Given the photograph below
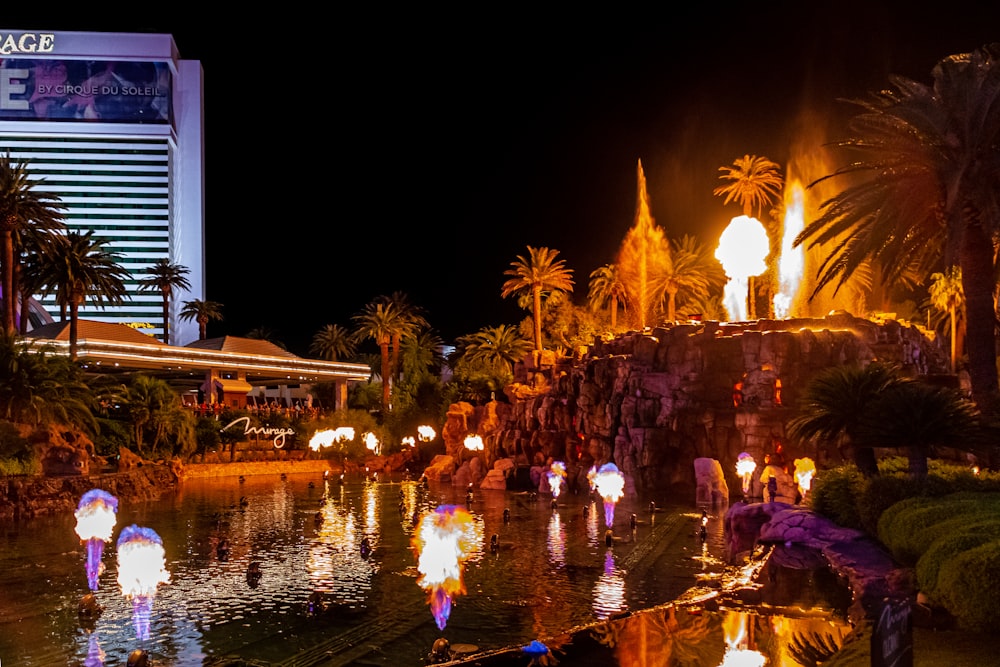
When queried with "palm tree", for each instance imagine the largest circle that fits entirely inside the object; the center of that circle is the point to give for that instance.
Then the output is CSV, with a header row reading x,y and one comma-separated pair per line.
x,y
606,288
497,348
201,312
539,272
946,295
21,208
754,183
917,417
40,387
690,268
409,323
84,271
332,343
380,321
165,277
151,403
922,187
834,403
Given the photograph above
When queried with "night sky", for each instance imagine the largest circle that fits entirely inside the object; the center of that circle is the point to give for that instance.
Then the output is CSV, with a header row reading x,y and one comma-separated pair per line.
x,y
357,155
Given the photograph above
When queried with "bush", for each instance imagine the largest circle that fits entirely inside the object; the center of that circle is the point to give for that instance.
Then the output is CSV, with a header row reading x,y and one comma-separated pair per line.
x,y
947,547
13,446
112,435
968,587
904,527
835,493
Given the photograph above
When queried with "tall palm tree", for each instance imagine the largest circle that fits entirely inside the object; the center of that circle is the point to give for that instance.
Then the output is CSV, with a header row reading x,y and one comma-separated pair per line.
x,y
917,417
85,271
607,289
380,321
165,277
754,183
21,208
201,312
921,186
834,403
539,272
332,343
40,249
409,323
946,294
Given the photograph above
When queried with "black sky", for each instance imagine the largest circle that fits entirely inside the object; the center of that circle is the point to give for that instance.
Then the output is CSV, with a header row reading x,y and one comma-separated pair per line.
x,y
368,152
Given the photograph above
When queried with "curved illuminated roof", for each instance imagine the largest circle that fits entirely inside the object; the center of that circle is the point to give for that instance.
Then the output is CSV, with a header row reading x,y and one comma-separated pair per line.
x,y
109,347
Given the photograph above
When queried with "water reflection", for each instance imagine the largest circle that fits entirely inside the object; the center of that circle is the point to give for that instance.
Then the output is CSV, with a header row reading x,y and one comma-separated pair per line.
x,y
288,541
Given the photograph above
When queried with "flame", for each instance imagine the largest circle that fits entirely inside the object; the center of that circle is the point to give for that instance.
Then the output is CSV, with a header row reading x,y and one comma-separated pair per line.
x,y
556,476
734,626
474,443
96,516
425,433
444,540
804,471
743,247
745,465
409,441
329,437
791,262
141,567
610,483
371,442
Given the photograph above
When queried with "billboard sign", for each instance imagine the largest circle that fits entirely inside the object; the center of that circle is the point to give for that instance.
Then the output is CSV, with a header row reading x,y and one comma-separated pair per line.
x,y
107,91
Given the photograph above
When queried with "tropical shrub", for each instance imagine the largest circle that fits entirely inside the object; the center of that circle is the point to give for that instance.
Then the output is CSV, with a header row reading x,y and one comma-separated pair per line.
x,y
835,493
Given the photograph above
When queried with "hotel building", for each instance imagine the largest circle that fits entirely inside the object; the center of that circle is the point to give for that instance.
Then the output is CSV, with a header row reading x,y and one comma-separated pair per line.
x,y
113,123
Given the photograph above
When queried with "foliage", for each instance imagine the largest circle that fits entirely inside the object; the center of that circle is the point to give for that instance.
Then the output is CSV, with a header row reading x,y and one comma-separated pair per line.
x,y
332,343
38,387
112,435
12,467
164,277
968,587
834,494
538,275
201,312
24,210
14,446
207,435
833,404
920,179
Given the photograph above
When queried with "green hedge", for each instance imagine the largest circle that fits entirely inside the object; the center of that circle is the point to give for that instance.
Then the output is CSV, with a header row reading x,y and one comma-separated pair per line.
x,y
968,586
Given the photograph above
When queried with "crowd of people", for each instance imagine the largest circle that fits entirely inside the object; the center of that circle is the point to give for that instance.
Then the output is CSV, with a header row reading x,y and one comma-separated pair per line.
x,y
295,410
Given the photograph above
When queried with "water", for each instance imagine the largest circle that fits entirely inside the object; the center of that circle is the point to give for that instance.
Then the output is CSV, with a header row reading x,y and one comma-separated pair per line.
x,y
320,601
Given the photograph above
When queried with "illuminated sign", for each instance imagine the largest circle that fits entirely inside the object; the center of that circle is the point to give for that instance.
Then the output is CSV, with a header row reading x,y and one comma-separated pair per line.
x,y
278,434
90,90
27,42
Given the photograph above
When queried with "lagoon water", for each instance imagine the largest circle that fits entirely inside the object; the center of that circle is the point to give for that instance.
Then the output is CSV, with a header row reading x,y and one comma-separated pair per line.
x,y
321,601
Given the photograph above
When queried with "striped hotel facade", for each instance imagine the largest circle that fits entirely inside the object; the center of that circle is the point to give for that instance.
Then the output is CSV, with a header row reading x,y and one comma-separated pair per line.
x,y
135,176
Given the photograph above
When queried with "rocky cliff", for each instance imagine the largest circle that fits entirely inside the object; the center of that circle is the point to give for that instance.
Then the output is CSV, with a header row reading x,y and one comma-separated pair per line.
x,y
652,402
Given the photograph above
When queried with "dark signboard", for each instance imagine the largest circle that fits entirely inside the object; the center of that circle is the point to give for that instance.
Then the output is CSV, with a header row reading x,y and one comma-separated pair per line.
x,y
892,638
85,90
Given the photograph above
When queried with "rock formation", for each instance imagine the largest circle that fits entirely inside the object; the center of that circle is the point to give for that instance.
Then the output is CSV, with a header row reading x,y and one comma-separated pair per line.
x,y
654,402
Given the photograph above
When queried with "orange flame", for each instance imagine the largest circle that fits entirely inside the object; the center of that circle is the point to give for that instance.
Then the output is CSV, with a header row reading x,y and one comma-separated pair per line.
x,y
445,539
